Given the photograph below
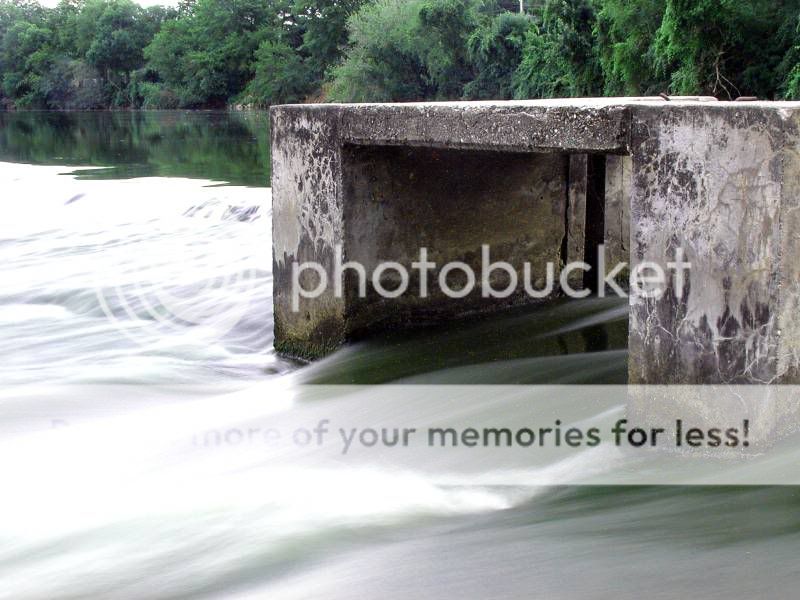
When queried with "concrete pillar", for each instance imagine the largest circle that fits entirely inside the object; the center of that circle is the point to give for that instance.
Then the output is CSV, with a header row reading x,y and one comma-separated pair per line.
x,y
617,213
306,226
720,181
576,215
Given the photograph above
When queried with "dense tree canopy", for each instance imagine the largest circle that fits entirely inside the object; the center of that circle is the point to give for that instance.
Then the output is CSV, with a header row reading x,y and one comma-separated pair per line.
x,y
214,53
495,50
560,57
625,32
725,48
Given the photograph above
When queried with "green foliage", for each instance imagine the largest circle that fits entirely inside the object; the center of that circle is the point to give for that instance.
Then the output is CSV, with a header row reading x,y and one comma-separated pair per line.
x,y
625,32
404,50
560,57
724,48
789,69
495,50
325,31
205,56
791,87
382,63
151,95
71,84
22,35
211,53
444,30
24,58
78,55
281,75
117,33
291,63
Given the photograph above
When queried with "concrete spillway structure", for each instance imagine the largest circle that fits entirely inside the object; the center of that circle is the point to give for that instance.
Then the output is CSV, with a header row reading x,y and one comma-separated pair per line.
x,y
545,181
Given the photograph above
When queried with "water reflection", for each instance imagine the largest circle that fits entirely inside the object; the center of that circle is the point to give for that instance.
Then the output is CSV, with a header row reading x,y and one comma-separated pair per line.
x,y
224,146
569,341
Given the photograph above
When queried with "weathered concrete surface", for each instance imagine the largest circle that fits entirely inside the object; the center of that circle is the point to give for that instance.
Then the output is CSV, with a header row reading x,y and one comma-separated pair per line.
x,y
719,179
576,215
788,310
450,202
535,126
618,211
306,225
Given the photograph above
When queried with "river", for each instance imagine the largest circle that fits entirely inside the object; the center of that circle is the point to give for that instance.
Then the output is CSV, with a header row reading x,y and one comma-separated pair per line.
x,y
115,224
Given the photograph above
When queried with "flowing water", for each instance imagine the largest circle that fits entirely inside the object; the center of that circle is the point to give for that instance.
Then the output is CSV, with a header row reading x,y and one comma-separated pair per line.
x,y
115,224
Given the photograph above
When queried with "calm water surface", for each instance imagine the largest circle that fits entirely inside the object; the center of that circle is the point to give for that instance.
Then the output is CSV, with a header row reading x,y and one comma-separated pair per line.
x,y
221,146
115,225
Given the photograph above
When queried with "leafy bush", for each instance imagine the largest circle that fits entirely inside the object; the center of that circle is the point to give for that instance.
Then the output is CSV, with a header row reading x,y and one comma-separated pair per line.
x,y
281,76
406,50
560,57
73,85
495,50
625,34
724,48
382,63
156,96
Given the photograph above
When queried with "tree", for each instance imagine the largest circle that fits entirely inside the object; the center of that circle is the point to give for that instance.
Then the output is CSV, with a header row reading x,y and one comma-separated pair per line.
x,y
71,84
325,32
559,58
725,48
212,53
443,32
206,56
495,50
626,32
24,57
382,63
789,69
281,75
407,50
22,35
290,64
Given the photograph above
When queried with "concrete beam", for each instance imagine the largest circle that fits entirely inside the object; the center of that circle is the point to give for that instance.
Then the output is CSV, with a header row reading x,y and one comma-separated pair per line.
x,y
515,127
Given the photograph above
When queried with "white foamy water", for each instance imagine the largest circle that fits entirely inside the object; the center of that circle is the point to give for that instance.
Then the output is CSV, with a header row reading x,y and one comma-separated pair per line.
x,y
161,287
150,277
136,317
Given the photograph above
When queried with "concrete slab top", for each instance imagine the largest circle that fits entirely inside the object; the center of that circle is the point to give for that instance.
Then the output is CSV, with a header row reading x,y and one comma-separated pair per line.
x,y
575,103
559,125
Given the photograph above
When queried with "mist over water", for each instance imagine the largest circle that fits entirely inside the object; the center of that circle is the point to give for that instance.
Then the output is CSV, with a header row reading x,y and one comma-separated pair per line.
x,y
124,234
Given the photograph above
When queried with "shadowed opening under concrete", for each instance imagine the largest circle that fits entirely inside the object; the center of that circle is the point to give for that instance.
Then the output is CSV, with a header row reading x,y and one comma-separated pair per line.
x,y
535,208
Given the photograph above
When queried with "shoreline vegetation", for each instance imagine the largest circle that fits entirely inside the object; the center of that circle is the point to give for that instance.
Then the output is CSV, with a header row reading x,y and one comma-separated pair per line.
x,y
250,54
